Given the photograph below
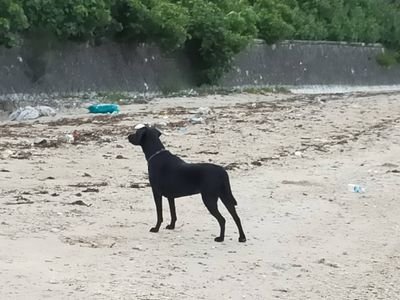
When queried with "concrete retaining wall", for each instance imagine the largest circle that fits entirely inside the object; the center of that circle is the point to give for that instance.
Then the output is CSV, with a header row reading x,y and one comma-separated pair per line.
x,y
311,63
43,66
40,67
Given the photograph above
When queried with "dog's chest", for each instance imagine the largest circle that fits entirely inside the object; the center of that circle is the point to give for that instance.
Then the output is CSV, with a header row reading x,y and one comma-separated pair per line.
x,y
158,176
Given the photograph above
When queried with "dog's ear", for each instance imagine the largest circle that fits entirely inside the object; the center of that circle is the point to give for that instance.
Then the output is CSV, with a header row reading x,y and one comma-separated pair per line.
x,y
155,131
158,132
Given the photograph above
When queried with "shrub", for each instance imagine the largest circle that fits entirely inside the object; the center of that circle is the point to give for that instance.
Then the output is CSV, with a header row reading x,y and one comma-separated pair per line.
x,y
161,22
274,20
12,21
217,31
68,19
388,58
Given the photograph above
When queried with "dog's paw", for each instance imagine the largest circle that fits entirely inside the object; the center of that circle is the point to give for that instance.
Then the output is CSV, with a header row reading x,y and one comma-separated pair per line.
x,y
219,239
242,239
170,227
154,229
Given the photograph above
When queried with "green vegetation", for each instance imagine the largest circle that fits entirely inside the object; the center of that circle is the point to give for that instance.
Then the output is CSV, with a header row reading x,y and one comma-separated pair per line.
x,y
12,22
217,31
388,58
211,32
265,90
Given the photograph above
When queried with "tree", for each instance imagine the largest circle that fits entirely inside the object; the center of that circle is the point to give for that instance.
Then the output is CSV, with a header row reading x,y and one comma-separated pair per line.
x,y
161,22
68,19
217,31
274,20
12,22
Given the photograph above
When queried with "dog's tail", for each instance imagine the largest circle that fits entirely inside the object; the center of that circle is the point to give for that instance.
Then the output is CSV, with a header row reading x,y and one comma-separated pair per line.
x,y
226,195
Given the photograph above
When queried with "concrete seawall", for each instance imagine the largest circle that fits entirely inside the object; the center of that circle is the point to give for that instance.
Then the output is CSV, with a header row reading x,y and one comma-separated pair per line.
x,y
47,67
305,63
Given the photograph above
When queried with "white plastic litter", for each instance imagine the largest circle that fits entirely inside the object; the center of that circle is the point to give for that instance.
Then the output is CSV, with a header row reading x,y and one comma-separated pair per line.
x,y
46,111
201,111
31,113
138,126
200,115
196,120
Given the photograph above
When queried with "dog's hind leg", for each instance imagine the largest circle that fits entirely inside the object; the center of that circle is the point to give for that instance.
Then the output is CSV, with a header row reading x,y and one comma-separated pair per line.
x,y
158,201
230,203
231,208
171,202
211,203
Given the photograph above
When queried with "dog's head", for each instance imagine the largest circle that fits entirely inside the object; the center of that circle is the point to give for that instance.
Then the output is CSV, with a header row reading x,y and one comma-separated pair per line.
x,y
141,133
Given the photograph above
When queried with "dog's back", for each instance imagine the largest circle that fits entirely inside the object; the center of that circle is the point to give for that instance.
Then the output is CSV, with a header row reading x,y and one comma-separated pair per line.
x,y
176,178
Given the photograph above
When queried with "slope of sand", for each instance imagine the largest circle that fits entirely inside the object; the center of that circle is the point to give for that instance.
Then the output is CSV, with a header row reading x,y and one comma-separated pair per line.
x,y
290,159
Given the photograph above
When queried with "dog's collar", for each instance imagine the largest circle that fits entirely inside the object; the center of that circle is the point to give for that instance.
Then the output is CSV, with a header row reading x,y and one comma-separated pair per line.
x,y
155,154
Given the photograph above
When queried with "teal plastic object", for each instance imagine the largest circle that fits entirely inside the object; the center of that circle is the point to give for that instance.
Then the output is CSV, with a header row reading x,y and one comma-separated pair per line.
x,y
103,108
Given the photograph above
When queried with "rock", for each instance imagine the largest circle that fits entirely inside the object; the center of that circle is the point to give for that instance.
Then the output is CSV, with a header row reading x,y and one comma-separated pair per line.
x,y
139,185
232,166
324,262
46,144
21,155
80,202
91,190
390,165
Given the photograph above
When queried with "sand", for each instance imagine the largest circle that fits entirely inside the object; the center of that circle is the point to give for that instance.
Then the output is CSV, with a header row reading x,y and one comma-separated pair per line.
x,y
290,160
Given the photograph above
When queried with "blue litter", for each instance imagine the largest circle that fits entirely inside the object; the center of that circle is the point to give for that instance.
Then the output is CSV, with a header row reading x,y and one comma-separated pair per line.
x,y
355,188
103,108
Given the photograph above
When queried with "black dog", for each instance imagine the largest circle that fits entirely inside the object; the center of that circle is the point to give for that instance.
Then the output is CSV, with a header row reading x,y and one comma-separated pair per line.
x,y
171,177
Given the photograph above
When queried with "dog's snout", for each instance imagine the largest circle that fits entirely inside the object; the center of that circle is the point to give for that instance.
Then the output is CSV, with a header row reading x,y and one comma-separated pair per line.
x,y
131,137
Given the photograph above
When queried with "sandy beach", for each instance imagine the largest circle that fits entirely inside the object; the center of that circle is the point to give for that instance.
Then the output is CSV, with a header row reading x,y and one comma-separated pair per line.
x,y
75,214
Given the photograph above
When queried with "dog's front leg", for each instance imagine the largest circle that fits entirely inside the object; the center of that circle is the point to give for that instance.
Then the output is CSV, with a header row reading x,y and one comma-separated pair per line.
x,y
171,202
158,201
